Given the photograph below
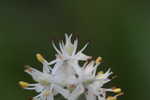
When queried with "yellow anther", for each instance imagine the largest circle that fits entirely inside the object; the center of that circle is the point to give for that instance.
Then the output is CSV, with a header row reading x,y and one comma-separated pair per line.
x,y
71,86
100,75
114,97
40,58
111,98
100,72
23,84
116,90
98,60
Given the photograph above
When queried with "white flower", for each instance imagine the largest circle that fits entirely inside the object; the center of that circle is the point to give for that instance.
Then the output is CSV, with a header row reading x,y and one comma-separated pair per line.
x,y
43,87
67,58
69,50
45,81
92,82
64,75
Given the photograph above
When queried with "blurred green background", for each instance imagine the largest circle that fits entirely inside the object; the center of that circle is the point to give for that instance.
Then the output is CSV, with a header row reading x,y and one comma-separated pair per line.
x,y
118,30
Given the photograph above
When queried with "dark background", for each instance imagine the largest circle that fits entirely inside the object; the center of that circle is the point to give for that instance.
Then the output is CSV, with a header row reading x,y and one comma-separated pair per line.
x,y
118,30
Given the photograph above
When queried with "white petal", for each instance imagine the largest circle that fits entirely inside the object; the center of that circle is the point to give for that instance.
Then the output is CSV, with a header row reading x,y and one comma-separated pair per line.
x,y
54,46
46,68
90,96
62,91
81,56
77,92
75,47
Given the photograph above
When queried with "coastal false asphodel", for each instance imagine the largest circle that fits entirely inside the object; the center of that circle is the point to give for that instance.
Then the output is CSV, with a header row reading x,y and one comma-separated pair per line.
x,y
65,76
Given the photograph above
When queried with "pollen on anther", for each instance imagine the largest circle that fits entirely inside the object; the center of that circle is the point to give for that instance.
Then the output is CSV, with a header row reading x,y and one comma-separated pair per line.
x,y
100,74
40,58
23,84
111,98
116,90
98,60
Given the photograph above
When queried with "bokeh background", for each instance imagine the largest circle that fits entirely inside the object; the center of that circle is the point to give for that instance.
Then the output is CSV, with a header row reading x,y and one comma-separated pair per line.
x,y
118,30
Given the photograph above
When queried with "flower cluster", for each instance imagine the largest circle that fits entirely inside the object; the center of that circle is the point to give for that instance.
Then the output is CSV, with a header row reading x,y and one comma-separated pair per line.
x,y
64,75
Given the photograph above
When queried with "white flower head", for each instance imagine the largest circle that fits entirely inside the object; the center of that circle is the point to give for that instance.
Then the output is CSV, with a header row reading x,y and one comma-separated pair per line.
x,y
69,78
67,59
94,82
68,50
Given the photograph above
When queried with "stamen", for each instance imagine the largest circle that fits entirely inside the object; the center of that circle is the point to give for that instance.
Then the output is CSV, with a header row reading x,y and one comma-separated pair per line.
x,y
23,84
100,74
111,98
114,97
40,58
28,68
113,77
120,94
116,90
98,60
